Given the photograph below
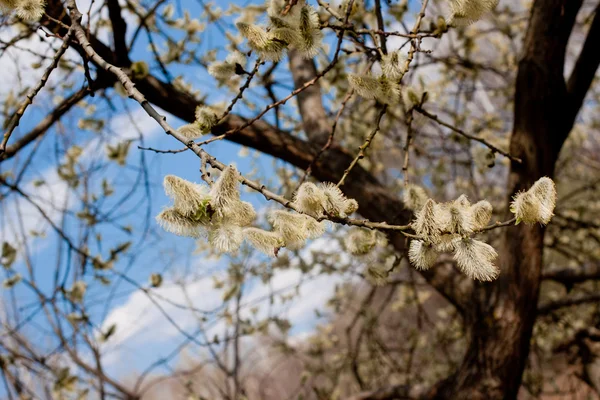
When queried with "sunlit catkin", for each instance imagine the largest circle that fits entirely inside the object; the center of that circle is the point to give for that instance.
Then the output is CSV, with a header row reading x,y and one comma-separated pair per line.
x,y
291,227
310,199
174,222
475,259
264,43
310,33
537,204
335,201
225,238
30,10
190,131
481,213
233,65
422,255
225,192
360,241
189,199
427,223
266,242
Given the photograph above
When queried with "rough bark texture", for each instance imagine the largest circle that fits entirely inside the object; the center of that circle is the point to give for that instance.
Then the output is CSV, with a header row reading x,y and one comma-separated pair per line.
x,y
502,315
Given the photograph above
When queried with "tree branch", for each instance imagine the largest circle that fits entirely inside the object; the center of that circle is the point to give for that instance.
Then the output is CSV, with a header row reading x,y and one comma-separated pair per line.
x,y
573,275
585,68
548,307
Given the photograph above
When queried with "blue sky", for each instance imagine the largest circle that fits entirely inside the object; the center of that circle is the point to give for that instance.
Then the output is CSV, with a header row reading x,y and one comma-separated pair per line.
x,y
140,326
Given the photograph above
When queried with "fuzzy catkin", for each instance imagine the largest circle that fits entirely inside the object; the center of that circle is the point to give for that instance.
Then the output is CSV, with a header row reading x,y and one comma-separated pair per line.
x,y
189,198
414,197
422,255
173,221
267,242
474,258
226,238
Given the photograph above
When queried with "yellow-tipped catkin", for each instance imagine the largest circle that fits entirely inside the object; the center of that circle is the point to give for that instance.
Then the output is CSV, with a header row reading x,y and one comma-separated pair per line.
x,y
266,242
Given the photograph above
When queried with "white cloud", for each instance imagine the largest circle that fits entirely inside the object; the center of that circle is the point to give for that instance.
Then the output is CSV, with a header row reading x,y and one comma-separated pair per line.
x,y
144,333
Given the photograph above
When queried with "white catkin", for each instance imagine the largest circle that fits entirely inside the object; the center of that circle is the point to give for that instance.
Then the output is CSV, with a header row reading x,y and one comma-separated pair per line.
x,y
190,131
392,65
310,199
537,204
335,201
240,213
174,222
422,255
188,198
267,46
266,242
360,241
225,191
226,238
291,227
482,214
427,222
475,259
545,190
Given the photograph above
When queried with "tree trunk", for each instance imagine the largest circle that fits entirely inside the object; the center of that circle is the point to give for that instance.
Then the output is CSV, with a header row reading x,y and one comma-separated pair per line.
x,y
502,316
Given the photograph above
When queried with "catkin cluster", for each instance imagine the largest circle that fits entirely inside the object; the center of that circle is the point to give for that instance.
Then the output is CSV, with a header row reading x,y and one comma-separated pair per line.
x,y
448,227
298,29
220,216
385,87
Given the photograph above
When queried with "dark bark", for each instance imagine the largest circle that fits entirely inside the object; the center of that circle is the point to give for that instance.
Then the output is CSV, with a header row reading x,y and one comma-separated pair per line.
x,y
503,314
